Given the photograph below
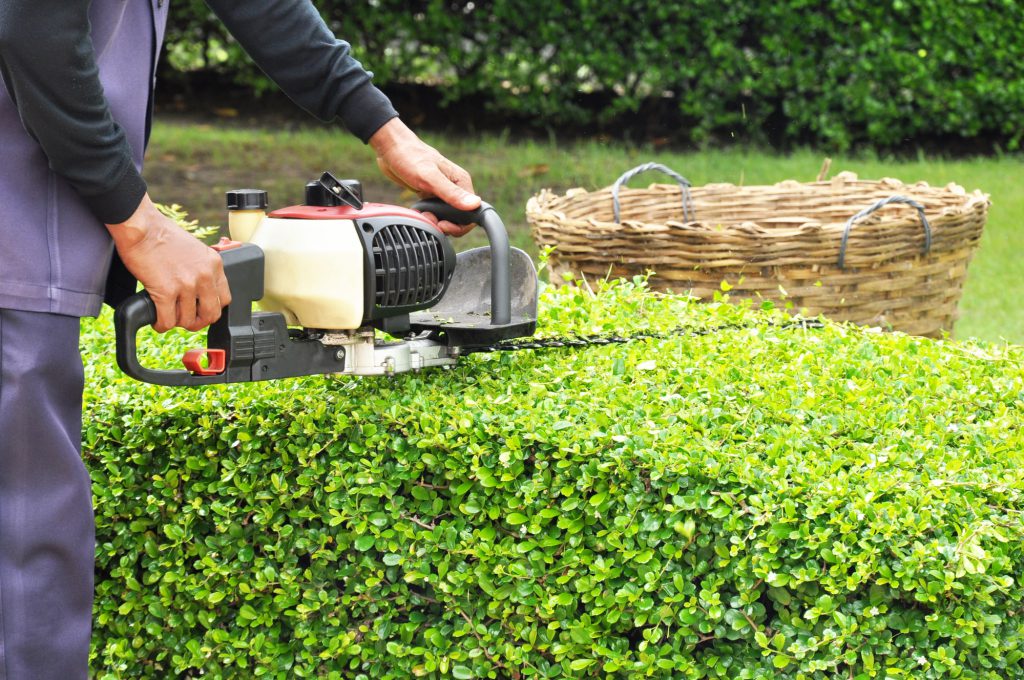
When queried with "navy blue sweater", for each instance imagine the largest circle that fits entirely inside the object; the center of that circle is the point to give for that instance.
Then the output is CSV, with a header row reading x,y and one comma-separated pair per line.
x,y
49,68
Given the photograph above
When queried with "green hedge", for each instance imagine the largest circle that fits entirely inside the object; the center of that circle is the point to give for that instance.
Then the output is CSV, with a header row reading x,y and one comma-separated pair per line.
x,y
767,502
833,72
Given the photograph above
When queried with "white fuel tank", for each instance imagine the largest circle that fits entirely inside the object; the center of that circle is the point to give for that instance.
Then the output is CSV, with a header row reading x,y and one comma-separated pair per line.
x,y
314,269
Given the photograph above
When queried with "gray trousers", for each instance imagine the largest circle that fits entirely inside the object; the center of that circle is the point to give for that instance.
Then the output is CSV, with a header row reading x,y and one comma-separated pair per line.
x,y
47,535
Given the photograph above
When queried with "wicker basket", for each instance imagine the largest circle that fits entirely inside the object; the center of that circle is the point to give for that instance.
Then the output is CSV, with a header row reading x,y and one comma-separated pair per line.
x,y
879,253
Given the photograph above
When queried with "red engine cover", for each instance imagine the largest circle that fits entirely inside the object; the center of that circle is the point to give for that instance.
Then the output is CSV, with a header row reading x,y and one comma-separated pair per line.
x,y
345,212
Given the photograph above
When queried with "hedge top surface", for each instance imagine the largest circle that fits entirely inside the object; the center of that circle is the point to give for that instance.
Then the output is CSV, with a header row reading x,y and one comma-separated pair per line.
x,y
764,501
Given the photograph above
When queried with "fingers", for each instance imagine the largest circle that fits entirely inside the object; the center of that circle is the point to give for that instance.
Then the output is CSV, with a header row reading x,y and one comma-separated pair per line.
x,y
166,312
208,298
454,186
194,298
455,230
188,306
208,310
186,310
449,228
221,285
451,184
420,168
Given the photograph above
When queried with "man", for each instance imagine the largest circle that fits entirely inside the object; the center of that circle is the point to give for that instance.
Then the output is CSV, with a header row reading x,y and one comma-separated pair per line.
x,y
74,117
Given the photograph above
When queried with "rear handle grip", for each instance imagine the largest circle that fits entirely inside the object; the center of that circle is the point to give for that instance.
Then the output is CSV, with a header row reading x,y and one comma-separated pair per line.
x,y
131,316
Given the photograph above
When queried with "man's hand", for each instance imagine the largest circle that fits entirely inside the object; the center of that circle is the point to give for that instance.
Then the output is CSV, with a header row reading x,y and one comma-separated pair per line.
x,y
408,162
184,277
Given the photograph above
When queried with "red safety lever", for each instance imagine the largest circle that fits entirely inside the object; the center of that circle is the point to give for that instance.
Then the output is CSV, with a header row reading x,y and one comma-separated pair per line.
x,y
226,244
216,361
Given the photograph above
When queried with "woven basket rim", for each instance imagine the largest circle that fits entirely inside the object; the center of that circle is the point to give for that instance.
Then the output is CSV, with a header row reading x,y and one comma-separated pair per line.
x,y
539,205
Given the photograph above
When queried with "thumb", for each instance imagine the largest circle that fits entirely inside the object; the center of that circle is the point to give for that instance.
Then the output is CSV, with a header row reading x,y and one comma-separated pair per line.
x,y
451,193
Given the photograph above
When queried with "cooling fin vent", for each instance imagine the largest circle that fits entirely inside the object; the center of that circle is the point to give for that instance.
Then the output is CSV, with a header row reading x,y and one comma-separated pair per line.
x,y
408,266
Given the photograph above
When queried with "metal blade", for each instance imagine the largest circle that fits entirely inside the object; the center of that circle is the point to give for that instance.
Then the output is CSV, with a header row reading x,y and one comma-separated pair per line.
x,y
464,313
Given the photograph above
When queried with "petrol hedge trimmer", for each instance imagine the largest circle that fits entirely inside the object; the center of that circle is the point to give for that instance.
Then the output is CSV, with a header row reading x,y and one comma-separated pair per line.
x,y
331,272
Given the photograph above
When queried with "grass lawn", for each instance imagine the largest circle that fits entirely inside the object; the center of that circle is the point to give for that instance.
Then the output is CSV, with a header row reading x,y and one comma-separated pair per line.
x,y
194,164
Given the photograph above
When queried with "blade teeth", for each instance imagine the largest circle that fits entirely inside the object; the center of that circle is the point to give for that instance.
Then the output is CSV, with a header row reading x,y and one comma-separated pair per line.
x,y
581,341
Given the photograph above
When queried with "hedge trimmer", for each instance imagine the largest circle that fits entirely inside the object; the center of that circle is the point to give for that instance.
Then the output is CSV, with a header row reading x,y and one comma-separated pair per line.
x,y
331,272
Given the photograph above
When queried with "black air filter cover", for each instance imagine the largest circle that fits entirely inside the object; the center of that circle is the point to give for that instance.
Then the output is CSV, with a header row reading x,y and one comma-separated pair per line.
x,y
408,266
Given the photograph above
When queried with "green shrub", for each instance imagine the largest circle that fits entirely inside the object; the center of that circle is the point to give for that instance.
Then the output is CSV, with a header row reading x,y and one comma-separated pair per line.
x,y
766,502
836,72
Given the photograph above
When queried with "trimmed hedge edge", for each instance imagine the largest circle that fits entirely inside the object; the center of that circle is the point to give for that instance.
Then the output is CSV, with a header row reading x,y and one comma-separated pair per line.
x,y
755,503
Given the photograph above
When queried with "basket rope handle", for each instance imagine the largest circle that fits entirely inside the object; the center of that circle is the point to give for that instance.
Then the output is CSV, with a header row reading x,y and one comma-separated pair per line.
x,y
886,201
684,186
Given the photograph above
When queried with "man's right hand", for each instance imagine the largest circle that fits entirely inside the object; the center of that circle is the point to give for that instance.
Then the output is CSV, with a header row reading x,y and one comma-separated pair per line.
x,y
184,277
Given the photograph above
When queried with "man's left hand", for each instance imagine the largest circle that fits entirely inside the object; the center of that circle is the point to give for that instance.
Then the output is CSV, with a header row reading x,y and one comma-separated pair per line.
x,y
409,162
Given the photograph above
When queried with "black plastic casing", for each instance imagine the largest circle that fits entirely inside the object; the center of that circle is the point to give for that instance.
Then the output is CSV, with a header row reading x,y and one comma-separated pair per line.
x,y
407,267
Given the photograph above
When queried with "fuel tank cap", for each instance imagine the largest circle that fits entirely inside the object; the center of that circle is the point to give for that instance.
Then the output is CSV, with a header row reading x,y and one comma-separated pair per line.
x,y
330,192
247,199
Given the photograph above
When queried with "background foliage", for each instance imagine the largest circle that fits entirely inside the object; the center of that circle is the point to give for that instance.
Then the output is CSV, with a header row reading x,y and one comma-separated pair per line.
x,y
831,72
851,507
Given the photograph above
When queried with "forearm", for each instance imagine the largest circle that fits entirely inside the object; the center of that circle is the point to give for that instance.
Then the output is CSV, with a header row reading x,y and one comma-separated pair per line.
x,y
50,72
290,42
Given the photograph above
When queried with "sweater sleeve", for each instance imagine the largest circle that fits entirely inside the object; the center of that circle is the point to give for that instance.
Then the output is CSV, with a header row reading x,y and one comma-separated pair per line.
x,y
290,42
49,69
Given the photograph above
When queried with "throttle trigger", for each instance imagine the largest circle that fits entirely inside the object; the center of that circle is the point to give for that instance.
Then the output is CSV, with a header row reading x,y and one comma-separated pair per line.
x,y
226,244
216,361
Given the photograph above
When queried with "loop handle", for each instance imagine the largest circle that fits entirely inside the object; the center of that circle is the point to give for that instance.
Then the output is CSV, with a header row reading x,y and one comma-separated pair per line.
x,y
886,201
684,186
497,235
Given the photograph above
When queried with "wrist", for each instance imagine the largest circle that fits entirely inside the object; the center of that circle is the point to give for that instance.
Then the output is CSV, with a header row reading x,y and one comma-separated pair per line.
x,y
136,228
391,135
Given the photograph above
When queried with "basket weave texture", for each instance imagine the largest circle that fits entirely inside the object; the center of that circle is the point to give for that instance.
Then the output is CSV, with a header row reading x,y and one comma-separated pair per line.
x,y
779,242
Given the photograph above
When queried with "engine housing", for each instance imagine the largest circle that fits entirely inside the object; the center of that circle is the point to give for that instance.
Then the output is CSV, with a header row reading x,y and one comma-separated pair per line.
x,y
339,267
